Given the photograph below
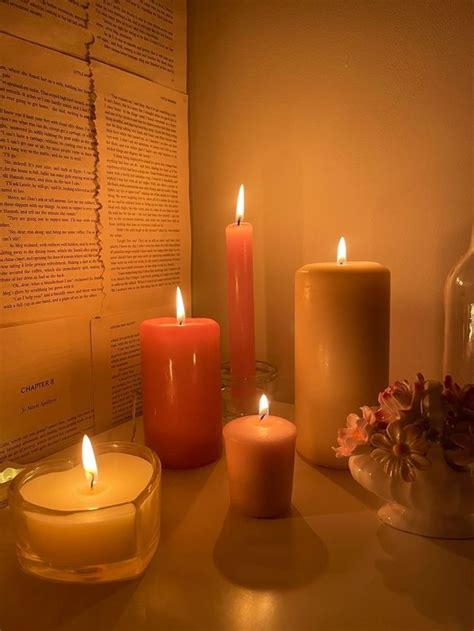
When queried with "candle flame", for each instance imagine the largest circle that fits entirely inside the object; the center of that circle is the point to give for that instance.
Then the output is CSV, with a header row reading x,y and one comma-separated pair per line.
x,y
341,251
88,461
264,407
180,312
239,212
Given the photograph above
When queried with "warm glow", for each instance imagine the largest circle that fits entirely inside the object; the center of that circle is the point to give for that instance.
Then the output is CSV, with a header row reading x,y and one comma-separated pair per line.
x,y
341,251
88,461
263,408
239,213
180,312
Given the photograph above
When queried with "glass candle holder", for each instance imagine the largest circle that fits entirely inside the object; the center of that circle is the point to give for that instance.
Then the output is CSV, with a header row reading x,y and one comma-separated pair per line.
x,y
240,397
7,474
102,544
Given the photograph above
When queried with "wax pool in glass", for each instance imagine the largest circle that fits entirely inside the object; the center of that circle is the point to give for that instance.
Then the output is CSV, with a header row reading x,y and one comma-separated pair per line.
x,y
88,542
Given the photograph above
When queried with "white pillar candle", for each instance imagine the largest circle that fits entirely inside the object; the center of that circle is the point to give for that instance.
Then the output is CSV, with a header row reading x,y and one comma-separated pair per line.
x,y
342,330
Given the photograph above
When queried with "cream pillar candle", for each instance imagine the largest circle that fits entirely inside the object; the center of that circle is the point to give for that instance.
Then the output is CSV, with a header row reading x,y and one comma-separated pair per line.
x,y
342,328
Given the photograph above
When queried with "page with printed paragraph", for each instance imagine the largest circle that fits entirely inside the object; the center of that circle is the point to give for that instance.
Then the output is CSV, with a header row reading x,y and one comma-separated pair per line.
x,y
57,24
145,37
45,388
116,364
143,171
50,248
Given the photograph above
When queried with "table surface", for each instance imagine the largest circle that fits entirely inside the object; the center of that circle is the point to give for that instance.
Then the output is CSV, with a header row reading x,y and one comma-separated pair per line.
x,y
330,564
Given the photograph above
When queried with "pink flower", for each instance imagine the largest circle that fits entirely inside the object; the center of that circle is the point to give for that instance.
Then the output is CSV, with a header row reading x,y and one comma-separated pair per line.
x,y
401,399
356,433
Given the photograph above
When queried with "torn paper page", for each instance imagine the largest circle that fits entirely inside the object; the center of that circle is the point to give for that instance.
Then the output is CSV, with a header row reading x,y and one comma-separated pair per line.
x,y
147,38
45,387
143,173
50,244
57,24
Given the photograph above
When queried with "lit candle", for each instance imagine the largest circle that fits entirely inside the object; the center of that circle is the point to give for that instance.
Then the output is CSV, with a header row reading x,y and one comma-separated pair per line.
x,y
181,388
240,297
342,330
70,518
260,453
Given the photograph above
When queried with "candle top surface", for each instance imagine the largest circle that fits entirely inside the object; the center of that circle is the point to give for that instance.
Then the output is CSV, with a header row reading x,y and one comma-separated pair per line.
x,y
241,224
348,267
121,478
254,429
172,322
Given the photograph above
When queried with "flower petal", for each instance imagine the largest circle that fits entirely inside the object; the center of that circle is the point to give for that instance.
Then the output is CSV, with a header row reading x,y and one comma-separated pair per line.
x,y
381,456
351,420
381,440
410,433
407,471
393,431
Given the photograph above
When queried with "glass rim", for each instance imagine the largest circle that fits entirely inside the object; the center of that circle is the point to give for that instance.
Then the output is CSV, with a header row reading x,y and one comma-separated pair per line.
x,y
264,373
17,502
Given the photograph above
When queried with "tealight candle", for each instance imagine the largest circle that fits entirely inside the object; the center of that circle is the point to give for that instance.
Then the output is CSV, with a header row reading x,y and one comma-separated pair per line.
x,y
260,453
96,521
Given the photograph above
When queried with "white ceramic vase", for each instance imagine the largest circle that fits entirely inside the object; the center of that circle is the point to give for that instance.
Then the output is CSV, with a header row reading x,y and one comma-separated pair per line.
x,y
439,503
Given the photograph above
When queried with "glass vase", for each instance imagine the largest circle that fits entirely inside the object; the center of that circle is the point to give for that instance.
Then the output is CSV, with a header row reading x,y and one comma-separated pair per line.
x,y
458,358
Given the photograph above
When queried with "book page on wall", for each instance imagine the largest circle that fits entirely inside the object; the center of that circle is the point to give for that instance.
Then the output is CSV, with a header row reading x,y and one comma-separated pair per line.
x,y
50,250
57,24
45,387
95,224
142,142
146,37
116,365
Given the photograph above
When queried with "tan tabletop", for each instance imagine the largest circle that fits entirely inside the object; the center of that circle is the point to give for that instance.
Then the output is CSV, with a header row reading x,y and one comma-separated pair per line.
x,y
329,565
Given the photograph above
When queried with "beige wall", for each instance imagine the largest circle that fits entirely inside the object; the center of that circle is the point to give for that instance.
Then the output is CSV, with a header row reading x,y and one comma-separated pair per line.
x,y
346,118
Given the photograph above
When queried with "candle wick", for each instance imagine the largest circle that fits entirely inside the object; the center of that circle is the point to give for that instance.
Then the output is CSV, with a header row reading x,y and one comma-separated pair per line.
x,y
92,481
239,220
263,416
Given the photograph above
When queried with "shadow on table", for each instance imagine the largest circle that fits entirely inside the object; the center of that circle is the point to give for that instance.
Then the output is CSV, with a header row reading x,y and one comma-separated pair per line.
x,y
322,491
263,554
344,479
430,573
180,489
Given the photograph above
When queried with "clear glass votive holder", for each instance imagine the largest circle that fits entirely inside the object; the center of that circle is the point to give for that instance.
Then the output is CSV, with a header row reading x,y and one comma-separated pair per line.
x,y
240,397
91,545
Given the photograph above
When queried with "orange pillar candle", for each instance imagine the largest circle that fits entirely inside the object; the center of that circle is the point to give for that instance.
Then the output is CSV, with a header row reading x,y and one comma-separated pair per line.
x,y
240,295
181,389
260,453
342,330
